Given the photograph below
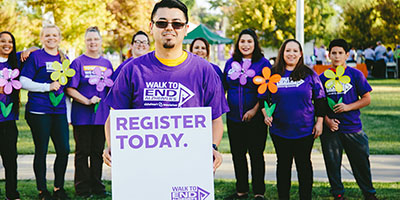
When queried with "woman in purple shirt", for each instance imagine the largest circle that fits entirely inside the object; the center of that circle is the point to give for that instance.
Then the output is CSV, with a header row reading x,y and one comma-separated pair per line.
x,y
139,46
8,128
201,47
246,129
299,99
89,114
46,111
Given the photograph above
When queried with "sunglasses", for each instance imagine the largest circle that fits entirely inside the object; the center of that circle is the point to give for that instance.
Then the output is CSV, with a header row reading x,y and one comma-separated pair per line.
x,y
164,24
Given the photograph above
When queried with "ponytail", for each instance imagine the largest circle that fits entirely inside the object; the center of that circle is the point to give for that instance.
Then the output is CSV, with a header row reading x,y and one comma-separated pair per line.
x,y
62,55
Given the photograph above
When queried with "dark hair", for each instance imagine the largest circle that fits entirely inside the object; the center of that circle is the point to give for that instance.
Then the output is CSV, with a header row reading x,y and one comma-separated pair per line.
x,y
170,4
13,62
339,43
205,42
301,70
139,33
389,48
256,55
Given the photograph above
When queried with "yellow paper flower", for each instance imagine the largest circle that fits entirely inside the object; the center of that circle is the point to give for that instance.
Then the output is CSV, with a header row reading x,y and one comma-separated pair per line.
x,y
62,72
336,79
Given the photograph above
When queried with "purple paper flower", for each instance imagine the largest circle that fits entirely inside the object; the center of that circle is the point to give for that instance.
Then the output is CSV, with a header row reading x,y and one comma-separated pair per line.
x,y
100,79
241,71
8,81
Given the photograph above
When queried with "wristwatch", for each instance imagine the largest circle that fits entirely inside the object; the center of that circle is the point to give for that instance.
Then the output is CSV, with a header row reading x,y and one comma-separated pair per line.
x,y
215,147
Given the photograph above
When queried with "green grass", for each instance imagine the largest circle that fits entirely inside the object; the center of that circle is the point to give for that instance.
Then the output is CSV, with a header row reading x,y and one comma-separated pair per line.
x,y
380,119
224,188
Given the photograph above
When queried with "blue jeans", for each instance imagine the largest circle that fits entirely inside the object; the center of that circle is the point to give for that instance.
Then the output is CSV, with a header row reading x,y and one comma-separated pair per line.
x,y
357,150
44,126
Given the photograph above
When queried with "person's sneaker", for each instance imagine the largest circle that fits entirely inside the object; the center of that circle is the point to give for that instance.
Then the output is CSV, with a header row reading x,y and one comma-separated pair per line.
x,y
60,195
370,196
340,197
259,198
45,195
236,196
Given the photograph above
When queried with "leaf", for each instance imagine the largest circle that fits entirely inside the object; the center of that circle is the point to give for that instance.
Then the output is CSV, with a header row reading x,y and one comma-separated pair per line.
x,y
96,106
6,110
331,103
340,100
55,100
271,110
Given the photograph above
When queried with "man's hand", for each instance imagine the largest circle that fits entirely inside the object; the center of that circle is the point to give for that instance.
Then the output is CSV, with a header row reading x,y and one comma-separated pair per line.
x,y
107,156
333,124
341,107
217,159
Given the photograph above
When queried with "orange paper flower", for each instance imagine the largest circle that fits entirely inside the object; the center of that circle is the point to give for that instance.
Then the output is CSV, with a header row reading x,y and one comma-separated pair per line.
x,y
267,81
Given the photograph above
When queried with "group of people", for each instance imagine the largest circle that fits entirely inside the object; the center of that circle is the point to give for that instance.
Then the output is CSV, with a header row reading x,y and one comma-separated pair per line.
x,y
375,58
295,103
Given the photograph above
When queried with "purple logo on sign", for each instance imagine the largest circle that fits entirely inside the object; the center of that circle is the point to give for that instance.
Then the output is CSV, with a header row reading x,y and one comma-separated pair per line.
x,y
188,193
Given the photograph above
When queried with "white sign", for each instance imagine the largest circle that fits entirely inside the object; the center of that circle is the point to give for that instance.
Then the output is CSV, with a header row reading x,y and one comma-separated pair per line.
x,y
162,154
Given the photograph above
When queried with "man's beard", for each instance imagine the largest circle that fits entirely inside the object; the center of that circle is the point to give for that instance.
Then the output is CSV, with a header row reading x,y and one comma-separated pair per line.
x,y
168,45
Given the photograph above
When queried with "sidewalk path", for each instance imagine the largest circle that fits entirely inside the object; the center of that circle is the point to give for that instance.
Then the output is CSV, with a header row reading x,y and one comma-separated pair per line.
x,y
385,168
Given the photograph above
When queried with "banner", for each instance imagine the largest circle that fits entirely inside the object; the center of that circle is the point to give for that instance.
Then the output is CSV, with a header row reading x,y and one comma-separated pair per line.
x,y
162,154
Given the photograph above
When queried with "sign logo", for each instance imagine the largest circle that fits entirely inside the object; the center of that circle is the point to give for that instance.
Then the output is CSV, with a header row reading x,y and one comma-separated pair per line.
x,y
49,67
89,70
188,193
346,88
173,93
286,82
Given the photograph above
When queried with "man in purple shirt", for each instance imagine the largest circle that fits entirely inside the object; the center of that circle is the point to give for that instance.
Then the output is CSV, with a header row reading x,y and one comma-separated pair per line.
x,y
343,128
189,80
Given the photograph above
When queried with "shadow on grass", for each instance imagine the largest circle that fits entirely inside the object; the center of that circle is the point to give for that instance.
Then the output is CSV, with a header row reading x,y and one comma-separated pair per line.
x,y
223,188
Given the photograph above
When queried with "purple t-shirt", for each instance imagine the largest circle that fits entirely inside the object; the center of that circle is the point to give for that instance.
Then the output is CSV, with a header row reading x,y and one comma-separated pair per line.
x,y
83,114
147,83
294,114
220,74
38,67
350,121
242,98
118,70
7,99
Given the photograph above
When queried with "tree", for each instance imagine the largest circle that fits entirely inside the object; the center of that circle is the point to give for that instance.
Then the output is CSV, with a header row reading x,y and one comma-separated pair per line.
x,y
130,16
74,17
16,20
366,23
275,21
211,20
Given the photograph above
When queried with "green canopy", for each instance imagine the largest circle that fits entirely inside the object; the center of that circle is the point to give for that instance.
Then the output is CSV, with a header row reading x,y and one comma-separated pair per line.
x,y
204,32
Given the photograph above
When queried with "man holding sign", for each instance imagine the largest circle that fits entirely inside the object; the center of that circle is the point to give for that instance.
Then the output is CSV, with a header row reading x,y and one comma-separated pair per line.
x,y
169,77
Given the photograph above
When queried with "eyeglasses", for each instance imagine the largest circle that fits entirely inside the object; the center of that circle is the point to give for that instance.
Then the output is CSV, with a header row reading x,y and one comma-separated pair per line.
x,y
140,42
164,24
